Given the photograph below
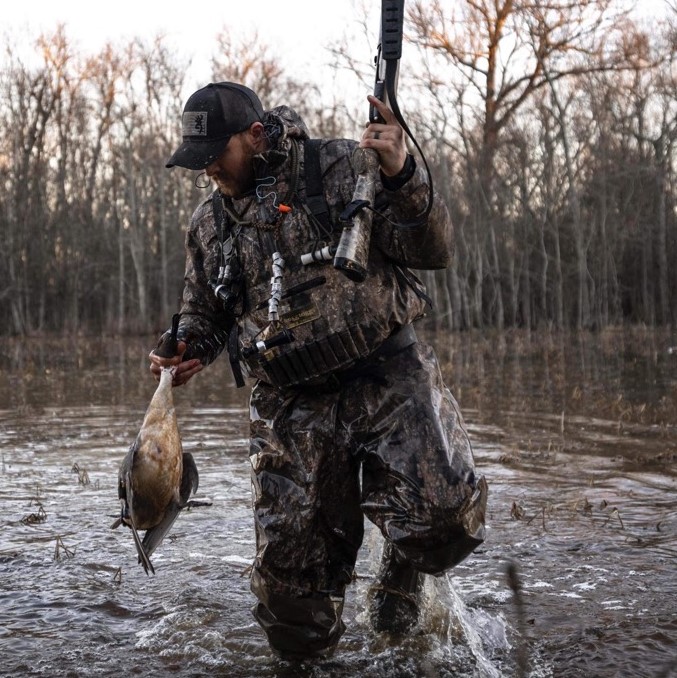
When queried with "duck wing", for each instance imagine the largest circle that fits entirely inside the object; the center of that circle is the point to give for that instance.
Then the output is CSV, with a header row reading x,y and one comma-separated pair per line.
x,y
124,482
190,478
144,554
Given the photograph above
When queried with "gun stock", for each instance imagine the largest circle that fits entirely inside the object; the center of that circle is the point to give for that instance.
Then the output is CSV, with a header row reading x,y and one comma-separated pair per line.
x,y
389,51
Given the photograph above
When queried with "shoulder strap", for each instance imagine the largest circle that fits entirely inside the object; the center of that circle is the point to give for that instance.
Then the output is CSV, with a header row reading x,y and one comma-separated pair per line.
x,y
220,221
315,199
223,227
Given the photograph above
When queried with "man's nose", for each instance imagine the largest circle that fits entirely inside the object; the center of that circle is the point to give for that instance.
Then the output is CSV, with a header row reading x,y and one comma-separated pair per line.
x,y
210,170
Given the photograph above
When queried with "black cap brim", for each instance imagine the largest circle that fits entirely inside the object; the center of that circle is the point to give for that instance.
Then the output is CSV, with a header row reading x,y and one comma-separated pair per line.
x,y
197,155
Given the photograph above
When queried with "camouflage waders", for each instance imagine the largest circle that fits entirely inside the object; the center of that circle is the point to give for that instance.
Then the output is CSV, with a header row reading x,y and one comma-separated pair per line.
x,y
397,423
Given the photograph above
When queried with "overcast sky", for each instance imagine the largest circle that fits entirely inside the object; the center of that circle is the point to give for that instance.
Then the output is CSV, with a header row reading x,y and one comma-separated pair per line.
x,y
297,29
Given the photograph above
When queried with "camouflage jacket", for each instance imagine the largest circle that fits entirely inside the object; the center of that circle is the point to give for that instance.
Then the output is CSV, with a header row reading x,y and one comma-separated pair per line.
x,y
326,322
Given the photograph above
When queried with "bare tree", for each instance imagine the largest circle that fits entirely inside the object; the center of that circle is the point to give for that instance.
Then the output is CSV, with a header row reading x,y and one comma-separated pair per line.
x,y
30,102
507,51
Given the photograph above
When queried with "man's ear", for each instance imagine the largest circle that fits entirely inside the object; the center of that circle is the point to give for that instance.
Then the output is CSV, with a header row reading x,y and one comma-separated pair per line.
x,y
258,136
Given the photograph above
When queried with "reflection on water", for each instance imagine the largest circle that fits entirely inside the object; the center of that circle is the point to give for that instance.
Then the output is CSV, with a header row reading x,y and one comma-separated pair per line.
x,y
576,436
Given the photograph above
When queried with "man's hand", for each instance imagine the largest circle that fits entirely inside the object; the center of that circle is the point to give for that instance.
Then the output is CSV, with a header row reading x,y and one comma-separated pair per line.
x,y
387,139
184,371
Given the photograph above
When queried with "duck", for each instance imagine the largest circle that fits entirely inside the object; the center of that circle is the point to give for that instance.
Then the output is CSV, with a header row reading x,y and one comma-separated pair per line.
x,y
156,477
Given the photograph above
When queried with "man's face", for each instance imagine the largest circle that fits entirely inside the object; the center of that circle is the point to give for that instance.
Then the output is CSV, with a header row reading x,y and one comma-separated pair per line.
x,y
233,171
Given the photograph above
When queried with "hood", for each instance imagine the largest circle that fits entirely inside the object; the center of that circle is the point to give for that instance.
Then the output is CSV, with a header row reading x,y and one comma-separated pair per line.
x,y
290,120
282,124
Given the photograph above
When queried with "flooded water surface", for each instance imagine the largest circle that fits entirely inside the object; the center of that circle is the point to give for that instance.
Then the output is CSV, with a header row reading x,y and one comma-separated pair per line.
x,y
577,437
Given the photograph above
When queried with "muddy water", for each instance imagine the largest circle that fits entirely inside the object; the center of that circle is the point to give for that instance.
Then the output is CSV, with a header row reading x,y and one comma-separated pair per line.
x,y
576,435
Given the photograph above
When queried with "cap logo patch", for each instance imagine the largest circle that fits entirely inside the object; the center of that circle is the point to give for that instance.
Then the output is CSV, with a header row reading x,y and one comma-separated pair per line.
x,y
194,124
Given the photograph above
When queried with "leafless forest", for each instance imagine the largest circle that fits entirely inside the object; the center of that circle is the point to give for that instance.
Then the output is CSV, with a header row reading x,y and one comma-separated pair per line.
x,y
550,128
